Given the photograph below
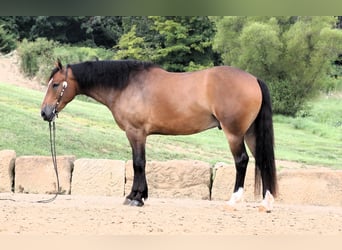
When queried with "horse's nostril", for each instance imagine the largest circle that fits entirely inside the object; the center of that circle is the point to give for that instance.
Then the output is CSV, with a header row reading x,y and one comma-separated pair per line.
x,y
44,115
48,113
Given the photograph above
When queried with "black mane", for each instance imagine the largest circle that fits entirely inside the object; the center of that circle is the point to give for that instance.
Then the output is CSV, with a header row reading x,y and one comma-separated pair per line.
x,y
108,74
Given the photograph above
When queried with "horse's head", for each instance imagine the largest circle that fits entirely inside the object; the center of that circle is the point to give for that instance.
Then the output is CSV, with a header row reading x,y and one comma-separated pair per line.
x,y
61,90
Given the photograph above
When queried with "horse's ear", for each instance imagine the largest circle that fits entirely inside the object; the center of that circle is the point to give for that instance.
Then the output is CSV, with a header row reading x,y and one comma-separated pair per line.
x,y
58,64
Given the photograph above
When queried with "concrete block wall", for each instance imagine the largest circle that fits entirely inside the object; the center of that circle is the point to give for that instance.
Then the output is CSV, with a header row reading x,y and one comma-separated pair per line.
x,y
98,177
7,163
167,179
36,174
174,179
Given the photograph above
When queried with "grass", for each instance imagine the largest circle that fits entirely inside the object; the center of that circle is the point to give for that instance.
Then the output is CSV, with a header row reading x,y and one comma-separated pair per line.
x,y
315,137
87,129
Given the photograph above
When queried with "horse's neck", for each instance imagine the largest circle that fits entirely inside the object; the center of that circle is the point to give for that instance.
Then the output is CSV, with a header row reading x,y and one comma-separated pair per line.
x,y
104,96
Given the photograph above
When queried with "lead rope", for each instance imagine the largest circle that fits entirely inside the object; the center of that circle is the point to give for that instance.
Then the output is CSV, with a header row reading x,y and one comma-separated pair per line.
x,y
52,129
54,160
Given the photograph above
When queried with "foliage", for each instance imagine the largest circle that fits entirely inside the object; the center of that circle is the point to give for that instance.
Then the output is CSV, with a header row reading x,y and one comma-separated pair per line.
x,y
62,29
72,54
7,40
34,54
38,57
18,26
103,31
99,31
261,48
293,54
176,43
132,46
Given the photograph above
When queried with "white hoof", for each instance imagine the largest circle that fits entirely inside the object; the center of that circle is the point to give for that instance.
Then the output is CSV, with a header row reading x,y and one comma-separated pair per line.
x,y
235,198
267,203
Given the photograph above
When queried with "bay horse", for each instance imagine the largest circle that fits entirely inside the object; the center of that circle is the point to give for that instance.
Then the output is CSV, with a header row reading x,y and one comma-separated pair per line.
x,y
145,99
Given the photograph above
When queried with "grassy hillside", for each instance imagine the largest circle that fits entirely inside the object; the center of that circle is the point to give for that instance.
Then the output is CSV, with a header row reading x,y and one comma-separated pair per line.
x,y
87,129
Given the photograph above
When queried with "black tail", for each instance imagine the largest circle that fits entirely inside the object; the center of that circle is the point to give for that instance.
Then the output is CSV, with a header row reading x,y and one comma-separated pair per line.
x,y
265,168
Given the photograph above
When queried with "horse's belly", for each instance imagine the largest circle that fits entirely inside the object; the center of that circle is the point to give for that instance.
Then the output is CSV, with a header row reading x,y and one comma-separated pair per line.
x,y
183,125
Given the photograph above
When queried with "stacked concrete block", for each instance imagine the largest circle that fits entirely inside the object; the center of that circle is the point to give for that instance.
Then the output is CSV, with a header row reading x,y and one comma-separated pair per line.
x,y
174,179
36,174
98,177
7,163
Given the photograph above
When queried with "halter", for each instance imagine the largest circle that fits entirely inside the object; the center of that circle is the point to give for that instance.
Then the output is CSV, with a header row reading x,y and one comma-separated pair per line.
x,y
65,85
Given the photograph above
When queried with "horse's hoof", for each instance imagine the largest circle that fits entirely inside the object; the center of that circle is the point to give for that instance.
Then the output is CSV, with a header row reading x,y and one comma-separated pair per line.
x,y
127,201
267,203
136,203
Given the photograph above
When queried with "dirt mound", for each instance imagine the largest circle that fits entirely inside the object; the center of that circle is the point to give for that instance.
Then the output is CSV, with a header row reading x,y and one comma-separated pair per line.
x,y
10,72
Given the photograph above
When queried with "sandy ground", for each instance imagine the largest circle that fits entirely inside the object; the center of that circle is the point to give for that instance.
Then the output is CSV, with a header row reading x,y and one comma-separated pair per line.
x,y
88,215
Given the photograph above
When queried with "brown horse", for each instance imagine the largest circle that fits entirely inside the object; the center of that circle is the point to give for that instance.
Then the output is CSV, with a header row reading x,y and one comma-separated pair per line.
x,y
145,99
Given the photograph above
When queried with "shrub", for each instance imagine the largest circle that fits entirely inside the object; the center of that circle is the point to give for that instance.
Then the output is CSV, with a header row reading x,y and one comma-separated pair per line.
x,y
38,57
294,55
72,54
287,98
35,54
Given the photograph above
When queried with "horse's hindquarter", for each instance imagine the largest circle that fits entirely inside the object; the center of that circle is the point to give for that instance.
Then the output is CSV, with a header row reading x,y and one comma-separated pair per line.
x,y
235,96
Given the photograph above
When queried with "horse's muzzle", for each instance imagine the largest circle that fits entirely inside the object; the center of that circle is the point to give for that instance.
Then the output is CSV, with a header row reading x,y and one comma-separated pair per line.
x,y
48,113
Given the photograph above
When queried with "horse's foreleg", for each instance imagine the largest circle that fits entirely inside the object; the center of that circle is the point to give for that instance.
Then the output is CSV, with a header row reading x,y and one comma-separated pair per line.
x,y
139,190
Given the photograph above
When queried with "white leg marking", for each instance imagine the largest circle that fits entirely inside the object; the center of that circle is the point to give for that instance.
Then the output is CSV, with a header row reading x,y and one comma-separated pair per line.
x,y
236,197
267,203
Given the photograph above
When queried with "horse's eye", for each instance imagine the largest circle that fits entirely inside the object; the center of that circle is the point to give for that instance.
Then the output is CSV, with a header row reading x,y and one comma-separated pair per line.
x,y
55,85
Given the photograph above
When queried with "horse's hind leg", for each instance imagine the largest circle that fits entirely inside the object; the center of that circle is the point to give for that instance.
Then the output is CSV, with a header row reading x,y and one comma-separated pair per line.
x,y
268,200
241,158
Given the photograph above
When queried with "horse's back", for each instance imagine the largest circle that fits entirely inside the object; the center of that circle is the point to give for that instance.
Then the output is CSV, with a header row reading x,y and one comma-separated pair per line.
x,y
224,78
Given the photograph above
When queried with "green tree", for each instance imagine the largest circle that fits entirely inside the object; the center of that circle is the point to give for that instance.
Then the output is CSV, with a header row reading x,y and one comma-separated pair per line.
x,y
7,40
64,29
186,42
8,34
176,43
103,31
261,48
132,46
293,54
